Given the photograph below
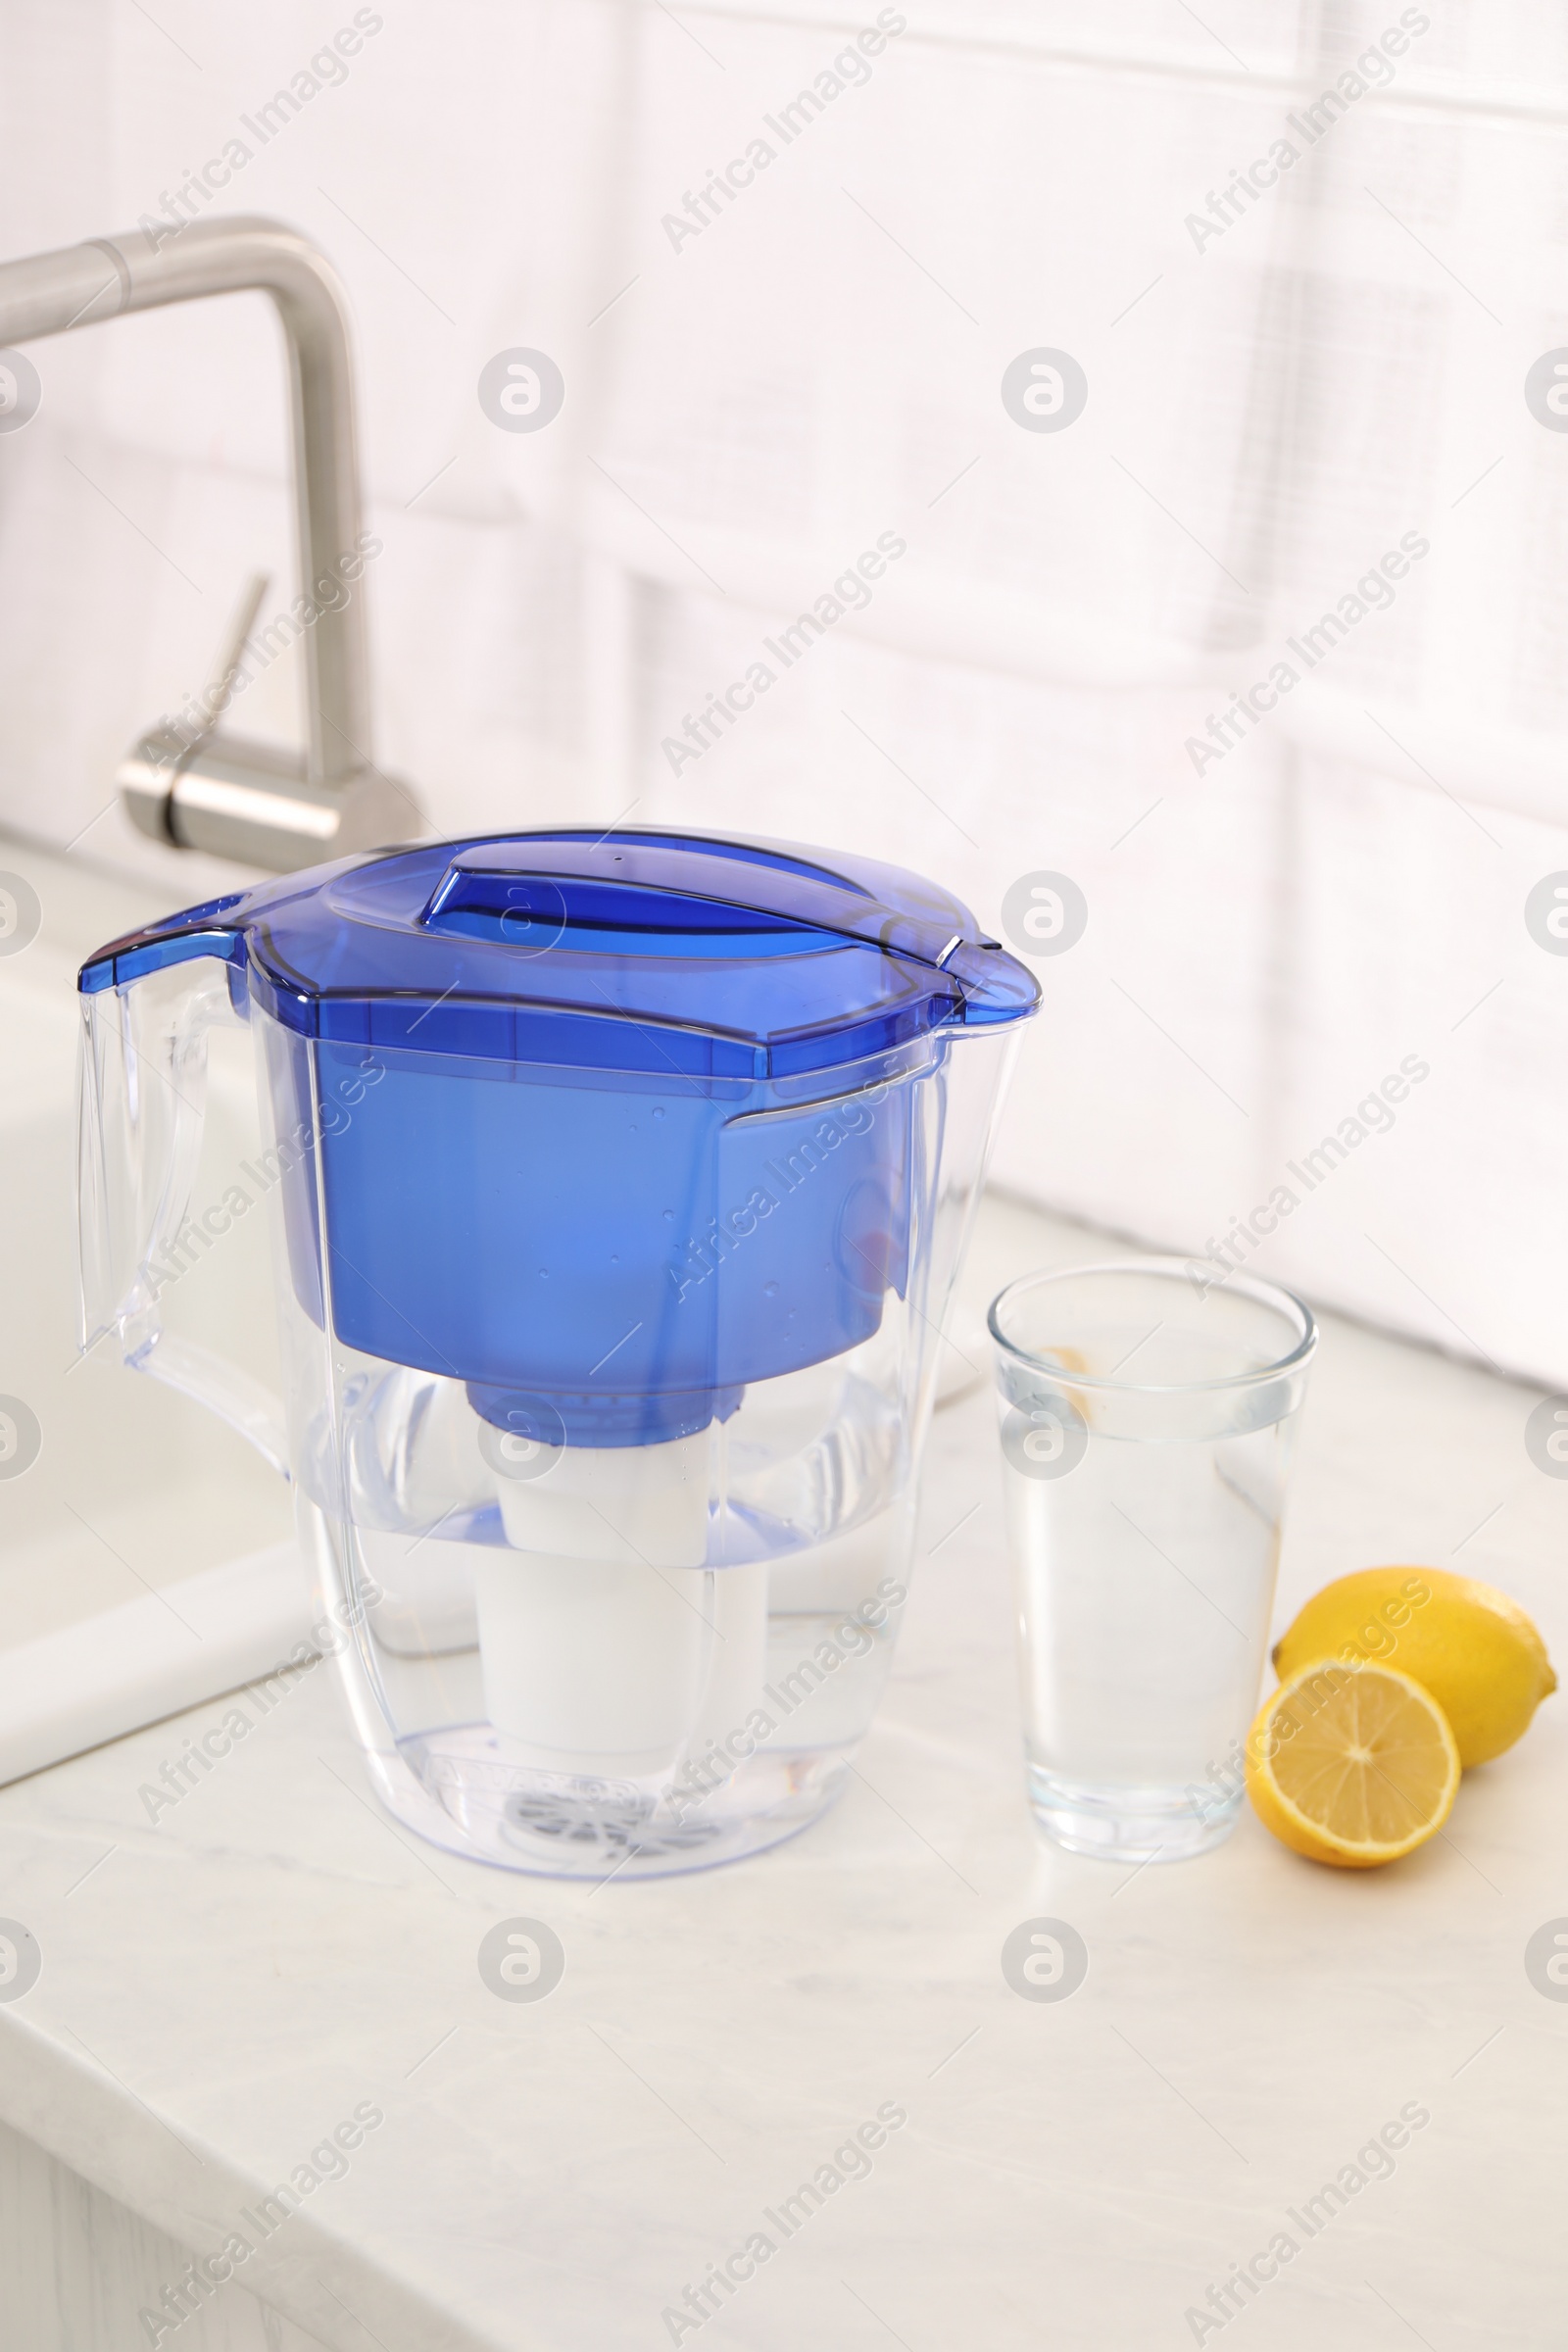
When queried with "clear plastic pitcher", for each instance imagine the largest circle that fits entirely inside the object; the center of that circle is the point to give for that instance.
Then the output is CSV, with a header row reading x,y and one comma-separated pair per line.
x,y
618,1187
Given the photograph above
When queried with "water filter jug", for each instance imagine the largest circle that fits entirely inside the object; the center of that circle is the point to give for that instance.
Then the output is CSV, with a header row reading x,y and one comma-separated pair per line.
x,y
617,1185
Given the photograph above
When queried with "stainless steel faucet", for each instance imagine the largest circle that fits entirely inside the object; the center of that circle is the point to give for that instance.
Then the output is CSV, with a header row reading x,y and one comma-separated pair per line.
x,y
189,784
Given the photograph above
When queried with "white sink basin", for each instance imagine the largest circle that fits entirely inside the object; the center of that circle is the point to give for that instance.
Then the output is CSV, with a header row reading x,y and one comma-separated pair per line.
x,y
134,1487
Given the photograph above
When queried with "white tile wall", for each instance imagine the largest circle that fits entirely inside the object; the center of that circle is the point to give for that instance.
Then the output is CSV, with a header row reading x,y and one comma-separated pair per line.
x,y
1344,365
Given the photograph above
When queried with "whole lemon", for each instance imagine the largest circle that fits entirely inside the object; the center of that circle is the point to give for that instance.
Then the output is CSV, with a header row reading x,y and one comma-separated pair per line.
x,y
1471,1646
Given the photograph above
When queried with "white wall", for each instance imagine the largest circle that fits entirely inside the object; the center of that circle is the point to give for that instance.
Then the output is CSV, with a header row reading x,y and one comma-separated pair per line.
x,y
1270,409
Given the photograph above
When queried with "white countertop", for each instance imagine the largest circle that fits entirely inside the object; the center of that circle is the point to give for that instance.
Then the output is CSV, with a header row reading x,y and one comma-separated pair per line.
x,y
220,1989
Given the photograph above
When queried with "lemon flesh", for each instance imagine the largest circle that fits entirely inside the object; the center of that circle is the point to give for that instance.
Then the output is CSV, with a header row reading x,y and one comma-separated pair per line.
x,y
1353,1765
1469,1644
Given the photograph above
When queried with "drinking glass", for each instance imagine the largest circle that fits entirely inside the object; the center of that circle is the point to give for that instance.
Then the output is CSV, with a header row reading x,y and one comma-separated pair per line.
x,y
1148,1411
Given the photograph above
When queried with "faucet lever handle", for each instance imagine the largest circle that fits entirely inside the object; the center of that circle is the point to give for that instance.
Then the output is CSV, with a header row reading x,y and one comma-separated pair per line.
x,y
219,689
243,619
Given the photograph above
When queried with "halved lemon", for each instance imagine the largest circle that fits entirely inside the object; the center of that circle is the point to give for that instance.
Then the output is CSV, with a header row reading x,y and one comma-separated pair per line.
x,y
1353,1765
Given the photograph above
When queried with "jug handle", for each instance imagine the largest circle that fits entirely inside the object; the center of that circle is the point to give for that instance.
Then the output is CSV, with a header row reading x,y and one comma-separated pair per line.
x,y
142,1112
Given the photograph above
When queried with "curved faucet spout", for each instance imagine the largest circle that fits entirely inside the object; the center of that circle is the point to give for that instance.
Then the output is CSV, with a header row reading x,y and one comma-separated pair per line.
x,y
192,787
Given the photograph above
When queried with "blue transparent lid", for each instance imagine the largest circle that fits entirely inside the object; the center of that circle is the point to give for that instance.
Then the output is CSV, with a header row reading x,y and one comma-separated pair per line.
x,y
629,950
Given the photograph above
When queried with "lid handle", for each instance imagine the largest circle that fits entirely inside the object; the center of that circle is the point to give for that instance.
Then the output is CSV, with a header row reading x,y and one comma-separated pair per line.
x,y
532,911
